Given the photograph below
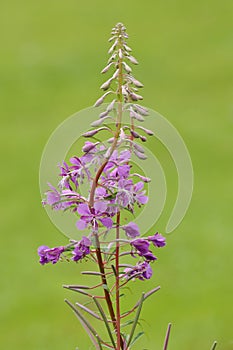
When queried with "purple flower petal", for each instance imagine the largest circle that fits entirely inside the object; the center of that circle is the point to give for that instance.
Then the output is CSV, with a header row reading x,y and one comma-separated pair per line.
x,y
107,222
83,209
81,224
142,199
158,240
47,254
131,229
138,186
149,256
141,245
100,192
100,207
86,241
123,170
147,273
76,162
141,271
81,249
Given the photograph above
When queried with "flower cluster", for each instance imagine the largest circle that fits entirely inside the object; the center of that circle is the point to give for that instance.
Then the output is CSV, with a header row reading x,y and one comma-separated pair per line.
x,y
80,249
117,188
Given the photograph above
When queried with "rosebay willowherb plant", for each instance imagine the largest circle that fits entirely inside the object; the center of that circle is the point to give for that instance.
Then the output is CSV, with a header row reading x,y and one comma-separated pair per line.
x,y
112,240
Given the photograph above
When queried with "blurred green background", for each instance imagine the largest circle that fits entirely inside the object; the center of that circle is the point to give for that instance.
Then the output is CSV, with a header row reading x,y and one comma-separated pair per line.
x,y
51,56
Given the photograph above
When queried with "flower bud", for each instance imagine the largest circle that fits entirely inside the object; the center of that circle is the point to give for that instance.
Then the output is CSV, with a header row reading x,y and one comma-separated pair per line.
x,y
112,58
106,85
140,155
132,59
127,48
107,68
143,138
103,114
143,178
112,48
139,148
134,134
127,68
94,132
147,131
141,110
101,99
120,54
111,39
135,97
99,121
88,146
136,115
115,75
111,106
136,82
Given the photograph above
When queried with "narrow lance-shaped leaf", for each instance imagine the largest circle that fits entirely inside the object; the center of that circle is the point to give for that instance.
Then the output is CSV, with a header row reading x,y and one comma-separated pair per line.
x,y
94,273
76,286
167,337
139,335
213,346
90,312
87,326
105,321
135,320
138,303
147,295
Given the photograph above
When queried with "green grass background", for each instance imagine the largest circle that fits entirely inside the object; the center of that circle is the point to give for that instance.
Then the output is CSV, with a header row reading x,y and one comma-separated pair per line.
x,y
51,56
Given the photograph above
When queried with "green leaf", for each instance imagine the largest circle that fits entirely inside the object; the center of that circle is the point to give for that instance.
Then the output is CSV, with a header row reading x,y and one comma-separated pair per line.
x,y
167,337
139,335
214,345
105,320
90,330
127,323
136,320
90,312
148,294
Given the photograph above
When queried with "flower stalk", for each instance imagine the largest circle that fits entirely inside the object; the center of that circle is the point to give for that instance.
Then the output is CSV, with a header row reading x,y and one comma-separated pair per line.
x,y
114,188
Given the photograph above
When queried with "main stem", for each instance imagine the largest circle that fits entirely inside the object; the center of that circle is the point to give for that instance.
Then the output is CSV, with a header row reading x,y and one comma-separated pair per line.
x,y
115,320
119,118
118,311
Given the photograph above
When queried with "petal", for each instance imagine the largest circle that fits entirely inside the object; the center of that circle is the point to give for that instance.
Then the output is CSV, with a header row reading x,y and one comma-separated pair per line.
x,y
100,192
42,248
138,186
142,199
107,222
123,170
131,229
86,241
141,245
125,155
75,161
81,224
100,207
83,209
149,256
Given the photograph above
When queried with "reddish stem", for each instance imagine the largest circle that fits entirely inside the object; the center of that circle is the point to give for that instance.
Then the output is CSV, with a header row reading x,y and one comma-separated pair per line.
x,y
118,312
